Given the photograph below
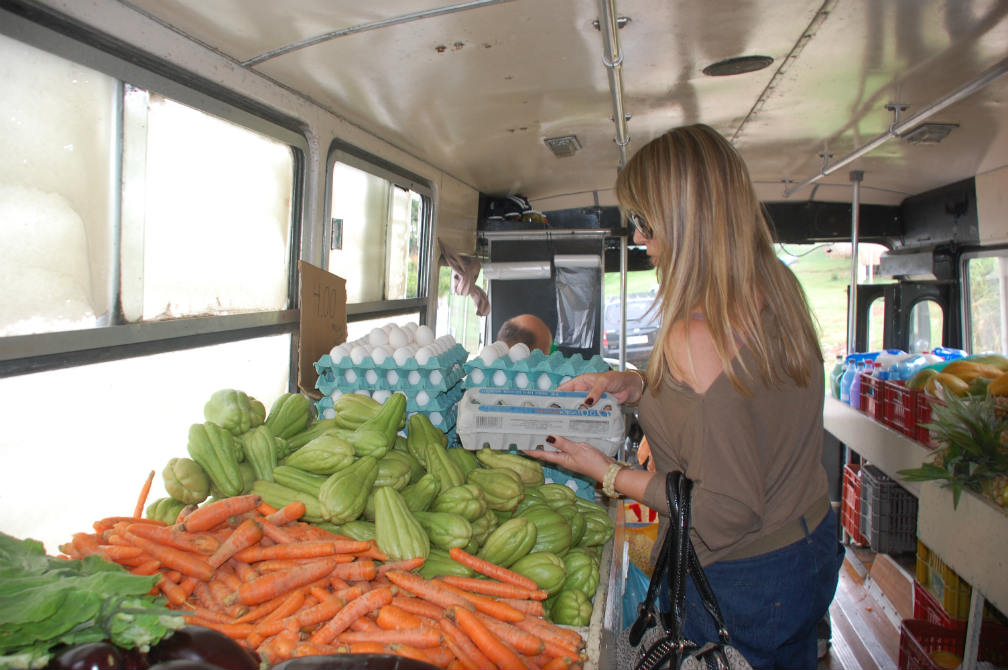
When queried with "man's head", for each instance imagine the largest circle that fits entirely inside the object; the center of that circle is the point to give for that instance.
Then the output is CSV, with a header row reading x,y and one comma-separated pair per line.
x,y
529,329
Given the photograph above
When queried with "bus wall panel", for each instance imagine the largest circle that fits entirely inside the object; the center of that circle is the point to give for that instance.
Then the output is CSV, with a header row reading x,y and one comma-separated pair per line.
x,y
992,206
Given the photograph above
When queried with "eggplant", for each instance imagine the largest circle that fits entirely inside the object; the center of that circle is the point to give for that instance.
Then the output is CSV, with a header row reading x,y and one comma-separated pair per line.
x,y
354,662
90,656
202,646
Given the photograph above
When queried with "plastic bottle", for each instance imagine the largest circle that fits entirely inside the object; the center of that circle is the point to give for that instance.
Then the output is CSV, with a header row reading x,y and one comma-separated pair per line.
x,y
835,375
854,394
948,353
845,381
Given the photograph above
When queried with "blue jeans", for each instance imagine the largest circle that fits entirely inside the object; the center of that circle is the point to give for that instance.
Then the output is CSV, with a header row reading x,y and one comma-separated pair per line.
x,y
772,603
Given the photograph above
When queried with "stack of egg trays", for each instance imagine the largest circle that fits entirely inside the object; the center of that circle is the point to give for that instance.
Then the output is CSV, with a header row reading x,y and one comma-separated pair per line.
x,y
438,374
537,371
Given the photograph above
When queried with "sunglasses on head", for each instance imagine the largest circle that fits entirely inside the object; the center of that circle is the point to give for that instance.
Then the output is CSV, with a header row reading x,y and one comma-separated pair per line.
x,y
640,224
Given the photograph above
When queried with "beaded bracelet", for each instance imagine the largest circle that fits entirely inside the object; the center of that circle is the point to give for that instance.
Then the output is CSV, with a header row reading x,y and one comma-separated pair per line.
x,y
609,479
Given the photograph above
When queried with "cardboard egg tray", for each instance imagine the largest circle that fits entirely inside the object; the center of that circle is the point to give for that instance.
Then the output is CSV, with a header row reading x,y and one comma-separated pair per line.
x,y
536,372
438,374
440,407
521,419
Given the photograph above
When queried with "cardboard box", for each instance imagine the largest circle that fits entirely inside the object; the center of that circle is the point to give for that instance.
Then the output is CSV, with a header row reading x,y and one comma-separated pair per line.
x,y
323,321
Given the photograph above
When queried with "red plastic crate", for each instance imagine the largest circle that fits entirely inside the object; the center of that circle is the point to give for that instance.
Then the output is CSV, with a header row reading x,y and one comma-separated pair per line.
x,y
901,408
872,396
850,509
927,608
919,639
923,413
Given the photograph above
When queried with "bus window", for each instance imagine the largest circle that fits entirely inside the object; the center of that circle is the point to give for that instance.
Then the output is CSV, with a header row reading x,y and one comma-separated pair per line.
x,y
456,314
924,330
876,324
378,239
984,301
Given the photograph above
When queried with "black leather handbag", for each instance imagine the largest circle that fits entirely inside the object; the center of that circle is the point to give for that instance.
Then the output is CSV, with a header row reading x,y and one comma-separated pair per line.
x,y
655,640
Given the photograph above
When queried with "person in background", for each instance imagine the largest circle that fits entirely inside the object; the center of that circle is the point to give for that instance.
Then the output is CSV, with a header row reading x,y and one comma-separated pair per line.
x,y
732,397
529,329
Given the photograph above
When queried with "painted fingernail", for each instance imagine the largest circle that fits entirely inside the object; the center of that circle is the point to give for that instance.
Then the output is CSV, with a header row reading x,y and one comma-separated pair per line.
x,y
550,439
589,401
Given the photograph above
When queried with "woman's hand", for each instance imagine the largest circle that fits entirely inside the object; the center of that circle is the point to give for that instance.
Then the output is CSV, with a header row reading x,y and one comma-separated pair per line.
x,y
579,457
626,387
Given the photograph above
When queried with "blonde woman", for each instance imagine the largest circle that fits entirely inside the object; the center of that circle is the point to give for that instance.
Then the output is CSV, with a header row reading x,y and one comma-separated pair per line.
x,y
733,398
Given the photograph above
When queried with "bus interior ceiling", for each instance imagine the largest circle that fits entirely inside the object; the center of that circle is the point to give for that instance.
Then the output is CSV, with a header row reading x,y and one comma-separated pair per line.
x,y
475,89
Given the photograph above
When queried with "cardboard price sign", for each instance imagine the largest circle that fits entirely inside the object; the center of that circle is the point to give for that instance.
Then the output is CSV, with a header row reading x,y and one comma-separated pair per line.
x,y
323,321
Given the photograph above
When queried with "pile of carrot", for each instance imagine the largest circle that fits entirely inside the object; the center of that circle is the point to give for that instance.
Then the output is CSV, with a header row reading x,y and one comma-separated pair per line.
x,y
285,588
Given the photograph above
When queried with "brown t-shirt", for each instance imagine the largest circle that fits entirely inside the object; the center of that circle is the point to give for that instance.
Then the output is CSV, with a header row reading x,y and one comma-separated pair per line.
x,y
755,460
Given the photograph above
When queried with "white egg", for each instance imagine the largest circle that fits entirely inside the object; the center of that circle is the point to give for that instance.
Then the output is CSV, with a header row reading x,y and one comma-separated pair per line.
x,y
476,376
392,377
521,380
422,355
397,337
411,327
435,377
381,395
377,336
371,377
413,378
401,355
446,341
544,382
389,326
501,346
499,378
435,418
357,354
423,335
379,354
335,394
350,376
518,352
329,413
422,398
489,355
338,353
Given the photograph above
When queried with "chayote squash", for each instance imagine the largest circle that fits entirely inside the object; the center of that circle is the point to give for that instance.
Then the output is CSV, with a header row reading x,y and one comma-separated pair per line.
x,y
289,415
445,529
575,519
598,528
529,470
482,527
214,449
571,608
544,568
345,492
442,467
439,563
389,419
417,469
234,411
466,499
165,510
353,409
298,440
397,531
260,447
278,496
358,530
324,455
556,495
512,540
582,571
393,470
502,488
299,480
464,459
186,481
420,494
553,533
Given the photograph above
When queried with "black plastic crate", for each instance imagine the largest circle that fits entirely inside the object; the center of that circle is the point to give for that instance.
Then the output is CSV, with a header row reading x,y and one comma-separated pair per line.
x,y
888,513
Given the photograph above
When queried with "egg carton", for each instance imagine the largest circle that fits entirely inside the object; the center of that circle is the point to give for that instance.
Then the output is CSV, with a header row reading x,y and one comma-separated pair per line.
x,y
350,379
521,419
445,421
443,415
534,371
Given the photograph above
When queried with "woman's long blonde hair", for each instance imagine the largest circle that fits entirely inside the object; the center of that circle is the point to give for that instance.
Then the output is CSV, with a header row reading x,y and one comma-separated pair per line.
x,y
716,256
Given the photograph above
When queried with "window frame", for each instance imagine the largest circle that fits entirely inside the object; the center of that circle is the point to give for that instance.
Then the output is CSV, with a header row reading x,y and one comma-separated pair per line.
x,y
64,38
964,285
348,154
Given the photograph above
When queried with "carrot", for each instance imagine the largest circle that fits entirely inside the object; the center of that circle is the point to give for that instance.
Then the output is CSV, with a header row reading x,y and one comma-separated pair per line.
x,y
391,617
311,649
440,656
235,630
286,514
275,564
528,607
176,559
118,552
357,607
188,584
428,590
373,552
243,570
147,568
276,533
422,637
290,603
212,514
497,651
244,536
523,641
465,644
142,499
201,543
492,588
419,606
409,651
559,663
108,523
263,610
488,569
407,565
172,591
462,661
363,624
265,509
550,633
313,549
270,585
360,570
362,648
487,605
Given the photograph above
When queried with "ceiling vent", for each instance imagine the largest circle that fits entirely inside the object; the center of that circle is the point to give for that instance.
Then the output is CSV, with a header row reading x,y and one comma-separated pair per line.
x,y
929,133
564,146
737,65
